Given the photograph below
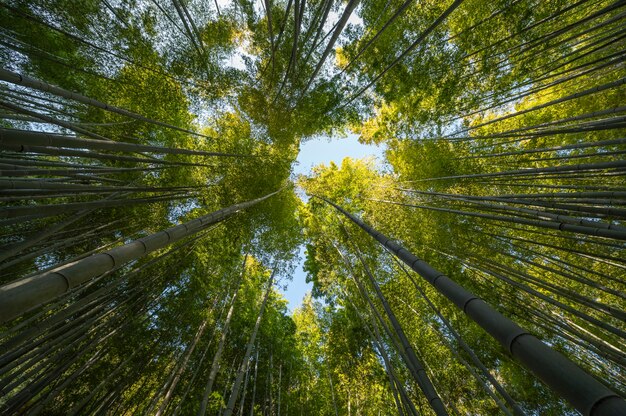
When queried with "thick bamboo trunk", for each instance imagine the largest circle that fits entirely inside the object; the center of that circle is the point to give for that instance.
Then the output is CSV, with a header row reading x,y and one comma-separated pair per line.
x,y
416,365
87,302
584,392
477,362
597,322
19,297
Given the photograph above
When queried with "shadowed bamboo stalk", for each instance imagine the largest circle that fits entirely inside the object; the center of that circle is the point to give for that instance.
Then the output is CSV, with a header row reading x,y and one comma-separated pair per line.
x,y
583,391
19,79
561,226
19,297
19,138
416,365
57,151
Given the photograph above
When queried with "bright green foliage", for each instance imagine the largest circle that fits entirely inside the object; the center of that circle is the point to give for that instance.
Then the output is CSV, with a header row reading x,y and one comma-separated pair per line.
x,y
504,140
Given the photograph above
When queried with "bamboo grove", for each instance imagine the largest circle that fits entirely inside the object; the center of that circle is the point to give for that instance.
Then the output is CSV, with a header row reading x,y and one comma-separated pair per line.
x,y
150,212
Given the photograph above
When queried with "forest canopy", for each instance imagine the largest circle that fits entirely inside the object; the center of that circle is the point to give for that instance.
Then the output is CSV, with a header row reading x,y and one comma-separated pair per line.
x,y
150,212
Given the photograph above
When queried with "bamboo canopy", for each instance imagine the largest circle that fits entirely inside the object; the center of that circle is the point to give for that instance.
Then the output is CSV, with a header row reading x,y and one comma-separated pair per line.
x,y
473,265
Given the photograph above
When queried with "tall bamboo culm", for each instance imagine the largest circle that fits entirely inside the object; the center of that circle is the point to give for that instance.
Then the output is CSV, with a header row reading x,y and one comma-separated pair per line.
x,y
19,297
581,390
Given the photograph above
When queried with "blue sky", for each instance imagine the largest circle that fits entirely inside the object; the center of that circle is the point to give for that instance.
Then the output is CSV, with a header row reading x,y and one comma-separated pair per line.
x,y
312,153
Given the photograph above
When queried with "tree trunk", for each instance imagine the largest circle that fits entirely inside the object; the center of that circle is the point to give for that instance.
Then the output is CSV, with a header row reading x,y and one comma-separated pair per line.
x,y
19,79
218,354
181,368
256,368
19,138
21,296
235,391
584,392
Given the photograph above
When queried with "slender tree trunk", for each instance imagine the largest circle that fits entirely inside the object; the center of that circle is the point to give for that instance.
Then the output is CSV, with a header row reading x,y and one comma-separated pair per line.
x,y
377,341
36,84
181,368
18,138
553,225
218,354
280,386
256,368
40,211
240,374
516,409
242,403
397,60
340,25
61,151
403,346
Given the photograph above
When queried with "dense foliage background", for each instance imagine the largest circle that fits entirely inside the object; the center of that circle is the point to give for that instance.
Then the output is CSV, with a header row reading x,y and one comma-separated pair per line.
x,y
504,126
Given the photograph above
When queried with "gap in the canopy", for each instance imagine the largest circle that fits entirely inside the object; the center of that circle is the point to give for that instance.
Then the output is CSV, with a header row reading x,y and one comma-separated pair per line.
x,y
323,150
